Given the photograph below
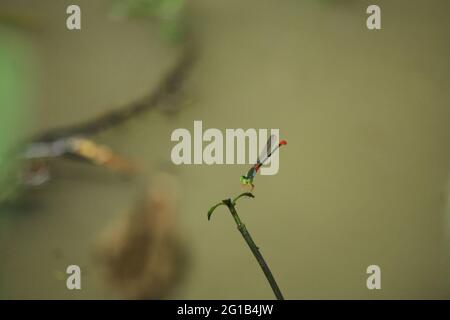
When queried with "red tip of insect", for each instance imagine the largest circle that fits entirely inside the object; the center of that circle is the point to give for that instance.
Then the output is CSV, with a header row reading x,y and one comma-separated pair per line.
x,y
283,142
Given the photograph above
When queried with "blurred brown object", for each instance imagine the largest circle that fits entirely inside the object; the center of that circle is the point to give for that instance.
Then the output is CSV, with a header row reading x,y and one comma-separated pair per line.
x,y
142,253
101,155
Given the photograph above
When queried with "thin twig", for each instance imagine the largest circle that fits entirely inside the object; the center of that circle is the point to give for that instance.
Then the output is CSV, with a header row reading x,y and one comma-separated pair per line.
x,y
248,238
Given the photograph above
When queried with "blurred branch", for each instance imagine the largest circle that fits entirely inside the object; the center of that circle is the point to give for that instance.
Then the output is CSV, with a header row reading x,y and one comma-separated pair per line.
x,y
169,86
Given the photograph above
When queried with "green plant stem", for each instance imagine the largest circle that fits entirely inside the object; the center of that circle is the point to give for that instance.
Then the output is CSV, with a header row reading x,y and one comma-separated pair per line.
x,y
255,250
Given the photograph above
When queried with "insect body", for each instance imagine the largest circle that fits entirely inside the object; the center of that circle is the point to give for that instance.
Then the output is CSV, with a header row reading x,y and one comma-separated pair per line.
x,y
269,149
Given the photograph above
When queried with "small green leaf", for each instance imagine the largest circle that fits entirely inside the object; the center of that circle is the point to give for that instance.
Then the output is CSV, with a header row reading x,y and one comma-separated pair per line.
x,y
245,194
213,208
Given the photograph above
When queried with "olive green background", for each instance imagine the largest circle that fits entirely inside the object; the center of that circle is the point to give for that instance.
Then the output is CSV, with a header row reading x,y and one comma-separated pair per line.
x,y
363,180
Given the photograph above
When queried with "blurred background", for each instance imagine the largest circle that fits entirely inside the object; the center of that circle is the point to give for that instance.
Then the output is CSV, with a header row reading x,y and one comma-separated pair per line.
x,y
364,179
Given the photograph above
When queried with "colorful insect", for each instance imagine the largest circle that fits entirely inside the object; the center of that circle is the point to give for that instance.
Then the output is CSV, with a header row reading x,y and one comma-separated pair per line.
x,y
269,149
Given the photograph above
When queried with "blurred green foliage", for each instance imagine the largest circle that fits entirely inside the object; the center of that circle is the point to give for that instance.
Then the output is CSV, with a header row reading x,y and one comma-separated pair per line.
x,y
14,98
168,12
